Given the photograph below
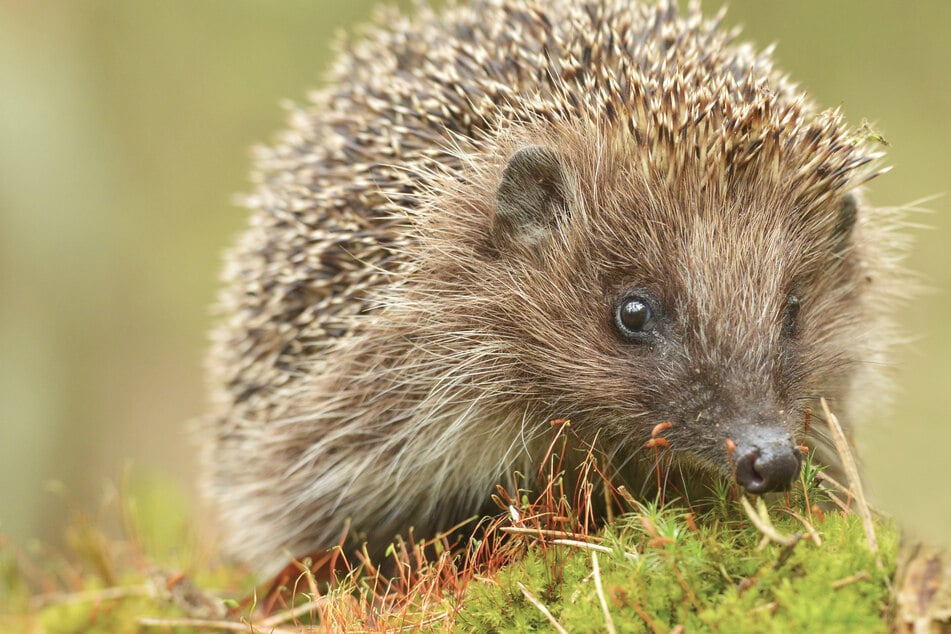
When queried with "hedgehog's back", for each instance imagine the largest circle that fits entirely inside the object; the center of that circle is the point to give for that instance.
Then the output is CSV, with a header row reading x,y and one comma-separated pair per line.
x,y
336,193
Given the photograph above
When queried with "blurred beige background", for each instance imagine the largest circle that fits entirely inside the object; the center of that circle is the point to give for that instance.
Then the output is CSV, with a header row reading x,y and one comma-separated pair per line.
x,y
125,129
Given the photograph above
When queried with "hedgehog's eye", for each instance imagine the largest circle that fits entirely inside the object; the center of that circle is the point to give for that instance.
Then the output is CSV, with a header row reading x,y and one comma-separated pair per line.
x,y
633,317
791,315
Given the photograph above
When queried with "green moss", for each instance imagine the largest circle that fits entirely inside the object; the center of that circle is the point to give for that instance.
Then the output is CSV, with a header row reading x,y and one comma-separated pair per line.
x,y
104,581
93,617
713,579
664,568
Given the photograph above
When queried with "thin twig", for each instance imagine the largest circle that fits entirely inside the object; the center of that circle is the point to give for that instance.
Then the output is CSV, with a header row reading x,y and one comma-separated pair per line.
x,y
825,477
761,521
288,615
430,621
580,544
106,594
593,547
861,575
596,571
838,486
540,532
541,608
843,506
851,470
813,533
217,624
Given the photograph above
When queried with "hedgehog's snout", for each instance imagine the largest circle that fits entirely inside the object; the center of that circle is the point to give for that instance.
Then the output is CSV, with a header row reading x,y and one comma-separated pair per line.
x,y
765,464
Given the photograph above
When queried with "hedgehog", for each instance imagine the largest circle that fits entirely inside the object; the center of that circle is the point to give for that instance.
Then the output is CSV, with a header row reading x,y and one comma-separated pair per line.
x,y
515,211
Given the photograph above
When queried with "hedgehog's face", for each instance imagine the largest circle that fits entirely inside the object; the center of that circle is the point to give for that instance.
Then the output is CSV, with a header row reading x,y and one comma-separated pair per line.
x,y
727,317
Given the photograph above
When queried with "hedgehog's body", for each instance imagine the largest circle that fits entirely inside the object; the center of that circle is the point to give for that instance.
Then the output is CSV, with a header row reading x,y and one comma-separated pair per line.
x,y
522,211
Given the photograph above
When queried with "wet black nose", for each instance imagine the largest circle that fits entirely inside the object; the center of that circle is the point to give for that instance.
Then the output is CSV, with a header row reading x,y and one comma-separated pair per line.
x,y
773,468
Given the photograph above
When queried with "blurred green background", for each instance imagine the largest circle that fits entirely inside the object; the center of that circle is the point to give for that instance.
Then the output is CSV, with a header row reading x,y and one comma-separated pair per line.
x,y
125,129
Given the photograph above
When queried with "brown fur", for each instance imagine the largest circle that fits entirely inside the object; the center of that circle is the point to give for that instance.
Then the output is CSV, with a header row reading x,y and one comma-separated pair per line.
x,y
387,358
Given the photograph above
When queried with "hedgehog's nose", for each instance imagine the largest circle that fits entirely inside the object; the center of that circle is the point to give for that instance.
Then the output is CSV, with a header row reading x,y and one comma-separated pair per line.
x,y
770,467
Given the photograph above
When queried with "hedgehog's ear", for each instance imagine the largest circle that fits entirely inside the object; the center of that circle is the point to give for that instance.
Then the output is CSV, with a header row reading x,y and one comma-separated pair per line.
x,y
531,199
848,213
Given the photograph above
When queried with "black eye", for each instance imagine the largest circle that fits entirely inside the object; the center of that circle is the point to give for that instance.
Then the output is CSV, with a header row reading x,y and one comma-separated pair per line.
x,y
792,314
633,317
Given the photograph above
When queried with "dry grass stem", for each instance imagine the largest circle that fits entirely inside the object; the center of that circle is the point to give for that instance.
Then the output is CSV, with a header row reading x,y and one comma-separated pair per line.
x,y
852,471
211,624
760,519
541,608
859,576
289,615
545,533
813,533
106,594
596,572
592,547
